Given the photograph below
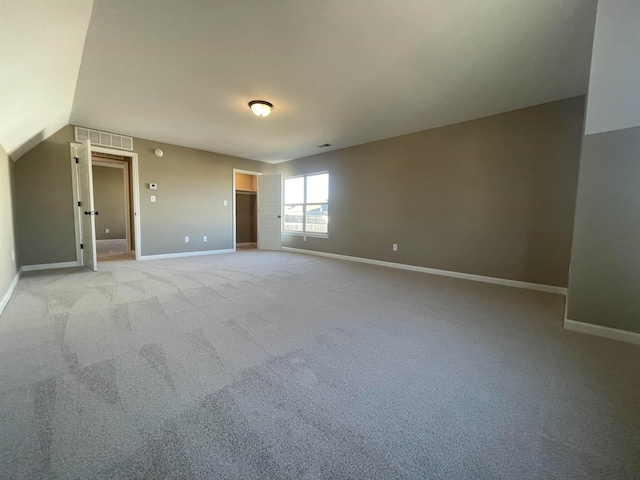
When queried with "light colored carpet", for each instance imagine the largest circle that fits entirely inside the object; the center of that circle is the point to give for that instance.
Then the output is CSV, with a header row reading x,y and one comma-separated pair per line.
x,y
117,246
273,365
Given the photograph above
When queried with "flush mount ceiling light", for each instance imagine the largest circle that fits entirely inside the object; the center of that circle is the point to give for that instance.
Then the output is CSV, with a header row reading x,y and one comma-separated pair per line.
x,y
260,107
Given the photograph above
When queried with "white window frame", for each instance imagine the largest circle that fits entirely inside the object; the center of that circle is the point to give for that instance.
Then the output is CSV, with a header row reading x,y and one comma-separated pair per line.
x,y
304,206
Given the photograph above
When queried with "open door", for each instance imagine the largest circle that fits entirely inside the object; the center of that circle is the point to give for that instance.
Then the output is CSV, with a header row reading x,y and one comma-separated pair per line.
x,y
269,212
86,208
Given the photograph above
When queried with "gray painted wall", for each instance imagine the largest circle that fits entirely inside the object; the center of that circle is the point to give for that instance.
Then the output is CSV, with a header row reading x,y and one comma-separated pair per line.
x,y
108,195
604,286
605,263
44,202
192,185
493,196
192,188
8,267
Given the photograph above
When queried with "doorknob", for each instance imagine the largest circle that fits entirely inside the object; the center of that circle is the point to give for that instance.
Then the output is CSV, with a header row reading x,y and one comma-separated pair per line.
x,y
91,213
279,216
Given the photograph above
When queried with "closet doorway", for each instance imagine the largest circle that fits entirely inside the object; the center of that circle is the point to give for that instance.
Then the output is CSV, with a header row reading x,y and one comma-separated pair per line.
x,y
245,185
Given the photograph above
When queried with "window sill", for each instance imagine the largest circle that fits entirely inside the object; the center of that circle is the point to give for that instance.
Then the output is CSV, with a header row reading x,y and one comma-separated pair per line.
x,y
302,234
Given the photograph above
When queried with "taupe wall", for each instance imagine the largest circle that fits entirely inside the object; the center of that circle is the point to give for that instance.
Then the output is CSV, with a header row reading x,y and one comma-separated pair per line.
x,y
604,287
44,202
605,264
493,196
8,268
108,196
192,188
192,185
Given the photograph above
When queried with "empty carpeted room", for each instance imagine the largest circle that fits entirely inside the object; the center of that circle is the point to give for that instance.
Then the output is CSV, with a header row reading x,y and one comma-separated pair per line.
x,y
287,239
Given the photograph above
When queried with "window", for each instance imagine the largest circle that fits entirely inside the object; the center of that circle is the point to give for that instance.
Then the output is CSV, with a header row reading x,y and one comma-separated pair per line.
x,y
306,204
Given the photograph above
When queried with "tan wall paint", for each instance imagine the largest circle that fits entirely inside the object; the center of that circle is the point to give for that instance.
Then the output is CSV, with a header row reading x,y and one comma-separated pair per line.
x,y
493,196
192,188
605,261
192,185
109,201
246,182
44,202
8,266
604,288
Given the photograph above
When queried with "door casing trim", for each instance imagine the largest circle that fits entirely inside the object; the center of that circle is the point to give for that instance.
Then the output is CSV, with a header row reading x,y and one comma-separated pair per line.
x,y
136,195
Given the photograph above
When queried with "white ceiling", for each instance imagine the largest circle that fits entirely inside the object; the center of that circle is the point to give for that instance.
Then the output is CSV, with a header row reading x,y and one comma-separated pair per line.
x,y
41,46
343,72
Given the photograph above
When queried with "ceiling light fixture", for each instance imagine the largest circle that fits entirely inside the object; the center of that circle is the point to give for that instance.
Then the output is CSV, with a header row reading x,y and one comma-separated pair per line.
x,y
260,107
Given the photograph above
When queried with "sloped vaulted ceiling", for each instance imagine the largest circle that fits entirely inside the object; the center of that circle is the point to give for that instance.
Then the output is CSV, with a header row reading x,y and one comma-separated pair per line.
x,y
339,72
41,44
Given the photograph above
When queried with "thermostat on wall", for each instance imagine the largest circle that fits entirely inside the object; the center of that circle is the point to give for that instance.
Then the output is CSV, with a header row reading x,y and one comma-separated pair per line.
x,y
153,186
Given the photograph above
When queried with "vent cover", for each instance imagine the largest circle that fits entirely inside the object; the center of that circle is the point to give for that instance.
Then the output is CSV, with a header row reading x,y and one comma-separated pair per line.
x,y
104,139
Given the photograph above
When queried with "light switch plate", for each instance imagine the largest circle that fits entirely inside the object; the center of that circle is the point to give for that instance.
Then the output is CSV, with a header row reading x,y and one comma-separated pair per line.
x,y
153,198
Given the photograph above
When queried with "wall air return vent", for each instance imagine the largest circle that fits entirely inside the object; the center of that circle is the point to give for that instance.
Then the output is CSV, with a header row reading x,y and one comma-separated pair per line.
x,y
104,139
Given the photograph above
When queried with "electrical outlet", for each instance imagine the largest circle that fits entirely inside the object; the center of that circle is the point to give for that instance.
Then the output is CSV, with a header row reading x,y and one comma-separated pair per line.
x,y
153,198
225,203
395,247
204,239
106,230
186,239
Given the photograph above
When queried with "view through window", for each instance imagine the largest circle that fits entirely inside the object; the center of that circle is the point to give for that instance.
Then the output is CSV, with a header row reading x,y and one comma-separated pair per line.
x,y
306,204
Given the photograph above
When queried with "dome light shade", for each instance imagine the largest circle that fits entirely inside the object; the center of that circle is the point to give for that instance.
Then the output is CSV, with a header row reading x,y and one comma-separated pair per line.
x,y
260,107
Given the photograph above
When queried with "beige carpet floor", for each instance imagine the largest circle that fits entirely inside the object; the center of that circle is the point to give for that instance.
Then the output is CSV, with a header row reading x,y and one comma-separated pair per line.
x,y
116,246
273,365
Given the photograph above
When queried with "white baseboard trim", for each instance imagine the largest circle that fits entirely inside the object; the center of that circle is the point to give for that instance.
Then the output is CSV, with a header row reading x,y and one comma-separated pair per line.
x,y
599,330
49,266
7,296
435,271
185,254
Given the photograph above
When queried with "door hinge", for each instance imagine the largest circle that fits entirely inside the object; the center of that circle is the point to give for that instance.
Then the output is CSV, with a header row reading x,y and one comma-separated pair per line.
x,y
76,159
81,246
79,204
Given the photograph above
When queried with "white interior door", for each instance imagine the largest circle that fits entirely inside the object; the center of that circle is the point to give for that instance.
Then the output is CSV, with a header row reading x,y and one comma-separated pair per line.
x,y
87,213
269,212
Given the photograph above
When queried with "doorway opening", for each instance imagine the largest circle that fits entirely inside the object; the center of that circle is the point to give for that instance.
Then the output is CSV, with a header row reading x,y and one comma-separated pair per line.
x,y
266,216
245,187
90,228
112,198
